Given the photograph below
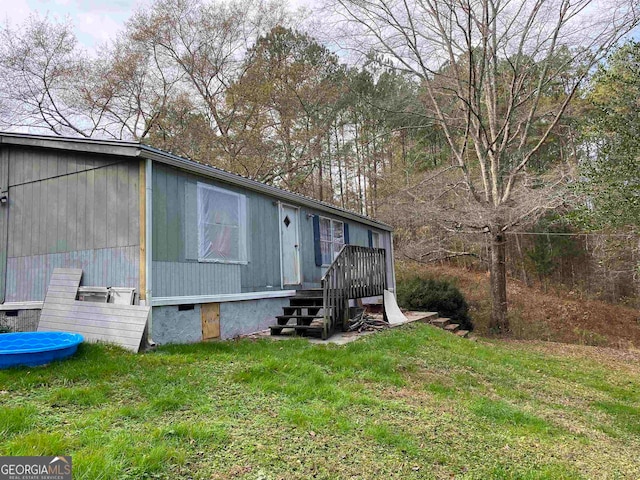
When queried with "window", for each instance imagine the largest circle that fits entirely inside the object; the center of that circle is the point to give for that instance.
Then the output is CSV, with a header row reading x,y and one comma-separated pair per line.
x,y
222,224
375,239
331,239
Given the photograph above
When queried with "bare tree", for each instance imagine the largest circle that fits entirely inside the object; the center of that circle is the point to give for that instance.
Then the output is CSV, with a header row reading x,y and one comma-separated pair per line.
x,y
49,83
133,87
42,75
492,74
205,44
184,52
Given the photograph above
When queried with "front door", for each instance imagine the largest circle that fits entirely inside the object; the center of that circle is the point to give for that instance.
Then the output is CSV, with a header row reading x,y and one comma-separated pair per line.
x,y
290,254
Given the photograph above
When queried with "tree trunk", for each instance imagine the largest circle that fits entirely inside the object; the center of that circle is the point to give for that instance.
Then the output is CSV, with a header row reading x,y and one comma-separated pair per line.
x,y
332,196
498,280
318,155
343,202
523,268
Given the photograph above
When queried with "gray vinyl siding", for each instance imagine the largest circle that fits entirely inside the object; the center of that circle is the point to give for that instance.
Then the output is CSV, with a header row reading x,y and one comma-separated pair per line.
x,y
75,203
174,279
358,234
86,210
263,243
28,277
69,209
4,220
385,242
311,273
30,165
176,270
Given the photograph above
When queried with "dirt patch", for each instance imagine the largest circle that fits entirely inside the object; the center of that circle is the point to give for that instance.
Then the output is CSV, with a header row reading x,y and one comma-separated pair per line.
x,y
536,314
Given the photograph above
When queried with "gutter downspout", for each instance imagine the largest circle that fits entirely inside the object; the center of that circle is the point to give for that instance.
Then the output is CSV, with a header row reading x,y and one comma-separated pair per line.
x,y
148,174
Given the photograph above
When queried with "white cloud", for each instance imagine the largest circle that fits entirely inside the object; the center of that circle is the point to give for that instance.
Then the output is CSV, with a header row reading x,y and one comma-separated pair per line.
x,y
17,11
95,21
98,28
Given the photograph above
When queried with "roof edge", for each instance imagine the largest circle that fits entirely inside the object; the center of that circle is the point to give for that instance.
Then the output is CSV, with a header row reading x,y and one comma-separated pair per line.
x,y
137,149
91,145
231,178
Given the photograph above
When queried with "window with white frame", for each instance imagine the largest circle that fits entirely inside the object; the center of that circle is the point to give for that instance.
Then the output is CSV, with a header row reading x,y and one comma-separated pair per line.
x,y
222,225
331,239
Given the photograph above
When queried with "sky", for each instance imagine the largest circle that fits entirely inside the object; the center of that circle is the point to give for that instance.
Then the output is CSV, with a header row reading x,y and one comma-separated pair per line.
x,y
95,21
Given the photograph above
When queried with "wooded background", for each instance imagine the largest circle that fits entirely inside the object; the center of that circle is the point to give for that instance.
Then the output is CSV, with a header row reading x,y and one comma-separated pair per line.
x,y
503,135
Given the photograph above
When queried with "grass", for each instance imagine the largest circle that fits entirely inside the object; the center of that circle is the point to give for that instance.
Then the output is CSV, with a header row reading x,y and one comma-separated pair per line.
x,y
410,403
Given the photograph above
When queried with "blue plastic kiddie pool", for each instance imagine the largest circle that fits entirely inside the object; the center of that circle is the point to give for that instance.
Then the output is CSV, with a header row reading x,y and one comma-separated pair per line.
x,y
36,348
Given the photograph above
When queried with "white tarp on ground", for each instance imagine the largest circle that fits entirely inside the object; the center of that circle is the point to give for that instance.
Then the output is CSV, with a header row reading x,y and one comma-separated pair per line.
x,y
394,314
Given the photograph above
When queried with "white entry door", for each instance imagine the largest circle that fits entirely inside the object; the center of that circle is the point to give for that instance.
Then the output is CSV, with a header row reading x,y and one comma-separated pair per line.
x,y
289,236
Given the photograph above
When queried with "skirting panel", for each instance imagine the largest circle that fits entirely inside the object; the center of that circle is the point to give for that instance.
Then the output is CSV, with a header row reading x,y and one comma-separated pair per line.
x,y
241,318
28,277
174,324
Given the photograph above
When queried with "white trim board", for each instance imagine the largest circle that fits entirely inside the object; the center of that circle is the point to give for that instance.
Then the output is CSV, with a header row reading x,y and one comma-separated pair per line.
x,y
228,297
21,306
162,301
281,207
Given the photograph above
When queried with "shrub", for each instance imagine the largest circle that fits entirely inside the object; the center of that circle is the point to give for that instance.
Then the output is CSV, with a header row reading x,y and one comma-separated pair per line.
x,y
435,296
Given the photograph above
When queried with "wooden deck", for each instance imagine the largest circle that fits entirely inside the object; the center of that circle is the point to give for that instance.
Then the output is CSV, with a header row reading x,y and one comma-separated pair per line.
x,y
357,272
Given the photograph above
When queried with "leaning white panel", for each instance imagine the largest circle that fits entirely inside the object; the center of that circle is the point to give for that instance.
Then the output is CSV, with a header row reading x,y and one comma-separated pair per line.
x,y
122,325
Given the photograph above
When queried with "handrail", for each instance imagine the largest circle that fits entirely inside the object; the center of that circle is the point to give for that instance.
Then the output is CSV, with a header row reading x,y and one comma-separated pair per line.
x,y
356,272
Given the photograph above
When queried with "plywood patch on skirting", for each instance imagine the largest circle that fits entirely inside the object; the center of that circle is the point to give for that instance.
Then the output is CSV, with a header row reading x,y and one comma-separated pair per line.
x,y
210,320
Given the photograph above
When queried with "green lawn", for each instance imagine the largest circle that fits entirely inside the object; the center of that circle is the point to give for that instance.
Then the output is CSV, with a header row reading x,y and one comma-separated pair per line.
x,y
410,403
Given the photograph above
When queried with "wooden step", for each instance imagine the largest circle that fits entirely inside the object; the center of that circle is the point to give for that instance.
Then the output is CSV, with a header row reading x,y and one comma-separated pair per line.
x,y
298,308
307,305
296,327
463,333
304,319
296,301
277,329
441,322
452,327
309,292
293,315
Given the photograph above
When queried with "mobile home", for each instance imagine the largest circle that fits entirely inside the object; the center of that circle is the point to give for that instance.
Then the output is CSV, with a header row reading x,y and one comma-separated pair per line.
x,y
215,254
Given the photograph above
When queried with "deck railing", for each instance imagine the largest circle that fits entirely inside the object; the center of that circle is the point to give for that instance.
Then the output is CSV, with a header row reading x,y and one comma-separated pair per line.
x,y
357,272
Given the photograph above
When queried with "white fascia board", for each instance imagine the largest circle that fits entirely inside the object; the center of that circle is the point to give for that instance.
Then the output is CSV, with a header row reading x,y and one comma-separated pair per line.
x,y
228,297
21,306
